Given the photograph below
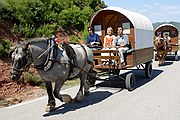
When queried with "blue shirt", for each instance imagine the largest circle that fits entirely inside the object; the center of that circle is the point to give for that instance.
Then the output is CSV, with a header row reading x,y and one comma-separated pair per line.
x,y
119,40
93,38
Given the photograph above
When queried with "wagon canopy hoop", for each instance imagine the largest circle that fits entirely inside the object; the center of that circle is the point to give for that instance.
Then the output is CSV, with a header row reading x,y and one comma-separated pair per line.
x,y
139,21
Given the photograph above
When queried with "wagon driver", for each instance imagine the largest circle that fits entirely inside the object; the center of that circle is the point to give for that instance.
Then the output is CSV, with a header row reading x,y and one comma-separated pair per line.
x,y
92,39
122,43
167,40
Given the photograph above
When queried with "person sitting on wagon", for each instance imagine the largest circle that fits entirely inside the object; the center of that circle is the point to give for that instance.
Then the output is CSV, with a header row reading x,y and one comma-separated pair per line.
x,y
109,39
167,41
92,39
159,37
108,44
122,43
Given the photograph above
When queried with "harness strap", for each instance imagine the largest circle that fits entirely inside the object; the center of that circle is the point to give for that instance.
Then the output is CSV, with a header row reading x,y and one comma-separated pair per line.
x,y
51,57
87,61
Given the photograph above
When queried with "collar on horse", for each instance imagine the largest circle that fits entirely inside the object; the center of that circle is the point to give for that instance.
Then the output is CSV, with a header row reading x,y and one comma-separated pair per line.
x,y
51,57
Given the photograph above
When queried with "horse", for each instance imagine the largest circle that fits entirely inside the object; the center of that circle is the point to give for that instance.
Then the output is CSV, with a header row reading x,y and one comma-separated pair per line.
x,y
37,51
161,49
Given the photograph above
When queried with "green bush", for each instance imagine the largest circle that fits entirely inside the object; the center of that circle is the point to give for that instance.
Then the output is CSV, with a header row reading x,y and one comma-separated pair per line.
x,y
4,46
25,30
74,38
46,30
1,50
85,32
34,80
34,18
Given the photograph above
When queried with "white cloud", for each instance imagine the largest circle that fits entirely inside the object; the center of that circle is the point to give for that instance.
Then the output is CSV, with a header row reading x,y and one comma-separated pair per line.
x,y
175,10
159,12
148,6
156,4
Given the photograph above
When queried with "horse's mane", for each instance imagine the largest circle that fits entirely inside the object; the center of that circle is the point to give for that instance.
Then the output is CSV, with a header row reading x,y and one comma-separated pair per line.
x,y
35,40
31,41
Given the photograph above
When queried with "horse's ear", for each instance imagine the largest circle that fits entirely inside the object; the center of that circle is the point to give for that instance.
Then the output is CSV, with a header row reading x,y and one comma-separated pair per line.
x,y
11,51
25,47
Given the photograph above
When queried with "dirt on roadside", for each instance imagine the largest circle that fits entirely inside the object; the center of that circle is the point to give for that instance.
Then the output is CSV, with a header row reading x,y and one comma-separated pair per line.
x,y
12,92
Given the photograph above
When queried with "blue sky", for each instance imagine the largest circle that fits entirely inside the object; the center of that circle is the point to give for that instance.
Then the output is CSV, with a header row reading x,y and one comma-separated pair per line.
x,y
155,10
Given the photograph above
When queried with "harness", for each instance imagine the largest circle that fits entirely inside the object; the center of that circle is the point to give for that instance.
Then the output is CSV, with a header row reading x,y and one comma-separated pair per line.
x,y
52,51
86,61
51,57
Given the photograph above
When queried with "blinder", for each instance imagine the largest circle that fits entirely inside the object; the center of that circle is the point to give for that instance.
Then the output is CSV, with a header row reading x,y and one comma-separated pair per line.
x,y
21,63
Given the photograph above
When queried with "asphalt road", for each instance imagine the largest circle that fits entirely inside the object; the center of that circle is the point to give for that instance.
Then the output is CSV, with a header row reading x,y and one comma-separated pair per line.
x,y
157,98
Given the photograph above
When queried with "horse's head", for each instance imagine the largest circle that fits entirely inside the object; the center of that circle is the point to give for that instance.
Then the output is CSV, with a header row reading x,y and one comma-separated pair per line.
x,y
159,43
21,61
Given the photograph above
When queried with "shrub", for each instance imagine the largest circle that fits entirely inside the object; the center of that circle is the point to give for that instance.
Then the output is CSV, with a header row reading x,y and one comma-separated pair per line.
x,y
85,32
4,46
34,80
74,38
25,30
46,30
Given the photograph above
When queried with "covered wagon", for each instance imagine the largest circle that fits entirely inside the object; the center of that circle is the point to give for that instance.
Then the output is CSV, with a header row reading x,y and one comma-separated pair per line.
x,y
140,31
172,32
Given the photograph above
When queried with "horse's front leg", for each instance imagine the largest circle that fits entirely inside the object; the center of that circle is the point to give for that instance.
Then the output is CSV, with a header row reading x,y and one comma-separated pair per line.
x,y
62,97
51,101
159,59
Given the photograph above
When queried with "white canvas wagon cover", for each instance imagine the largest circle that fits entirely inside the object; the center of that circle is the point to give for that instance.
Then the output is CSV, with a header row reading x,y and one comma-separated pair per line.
x,y
143,29
166,25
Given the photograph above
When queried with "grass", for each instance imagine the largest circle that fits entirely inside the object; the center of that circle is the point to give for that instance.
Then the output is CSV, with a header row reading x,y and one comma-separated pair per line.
x,y
71,83
35,80
1,97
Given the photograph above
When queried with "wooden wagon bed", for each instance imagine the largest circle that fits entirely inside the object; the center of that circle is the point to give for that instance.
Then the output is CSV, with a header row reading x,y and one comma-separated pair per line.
x,y
132,58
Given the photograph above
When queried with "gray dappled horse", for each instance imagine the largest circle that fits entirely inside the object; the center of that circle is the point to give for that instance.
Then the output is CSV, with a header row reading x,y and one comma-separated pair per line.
x,y
37,51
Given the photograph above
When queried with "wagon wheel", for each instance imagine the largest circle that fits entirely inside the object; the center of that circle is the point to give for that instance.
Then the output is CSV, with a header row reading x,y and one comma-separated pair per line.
x,y
130,81
148,69
176,58
91,77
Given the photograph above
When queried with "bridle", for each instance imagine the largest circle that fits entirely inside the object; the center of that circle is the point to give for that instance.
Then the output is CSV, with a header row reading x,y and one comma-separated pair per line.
x,y
28,59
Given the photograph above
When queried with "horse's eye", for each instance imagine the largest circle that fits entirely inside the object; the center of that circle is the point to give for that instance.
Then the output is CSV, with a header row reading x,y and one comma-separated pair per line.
x,y
16,51
12,55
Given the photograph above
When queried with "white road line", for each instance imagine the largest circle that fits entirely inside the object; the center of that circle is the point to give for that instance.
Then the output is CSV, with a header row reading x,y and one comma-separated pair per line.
x,y
31,101
28,102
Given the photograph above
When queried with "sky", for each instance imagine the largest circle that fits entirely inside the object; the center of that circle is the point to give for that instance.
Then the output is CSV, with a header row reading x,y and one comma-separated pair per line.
x,y
155,10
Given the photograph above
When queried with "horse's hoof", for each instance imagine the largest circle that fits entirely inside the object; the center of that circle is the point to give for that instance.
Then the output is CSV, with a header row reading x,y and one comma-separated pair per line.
x,y
86,93
79,96
66,98
49,108
75,101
